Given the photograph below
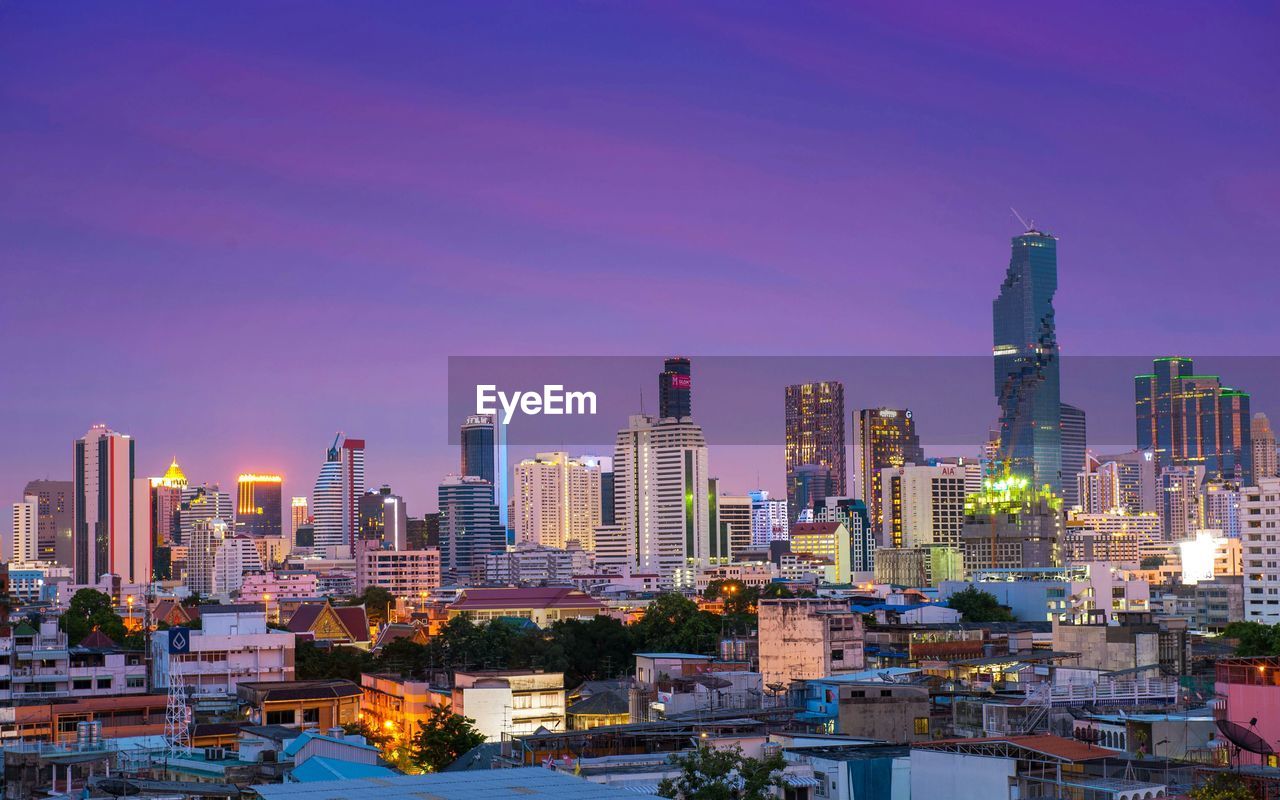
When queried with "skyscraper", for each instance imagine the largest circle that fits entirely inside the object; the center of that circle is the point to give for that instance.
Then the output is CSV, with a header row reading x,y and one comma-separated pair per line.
x,y
735,515
856,519
1193,420
1025,350
923,506
814,414
886,437
557,500
298,516
1264,448
384,518
605,465
56,520
1073,450
337,494
1222,508
1181,502
675,389
663,496
484,455
770,521
26,528
1138,477
259,506
200,503
808,486
469,527
105,536
164,505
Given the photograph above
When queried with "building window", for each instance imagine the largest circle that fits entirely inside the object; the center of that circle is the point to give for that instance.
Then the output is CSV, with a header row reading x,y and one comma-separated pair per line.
x,y
922,726
279,718
311,715
104,683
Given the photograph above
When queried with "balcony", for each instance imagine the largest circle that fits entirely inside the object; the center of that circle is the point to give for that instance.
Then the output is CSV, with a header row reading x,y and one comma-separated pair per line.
x,y
1105,692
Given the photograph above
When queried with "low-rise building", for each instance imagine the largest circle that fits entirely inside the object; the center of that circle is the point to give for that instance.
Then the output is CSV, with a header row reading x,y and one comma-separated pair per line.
x,y
321,704
38,665
808,638
396,704
324,622
511,702
1135,642
533,564
403,573
233,645
542,606
1046,594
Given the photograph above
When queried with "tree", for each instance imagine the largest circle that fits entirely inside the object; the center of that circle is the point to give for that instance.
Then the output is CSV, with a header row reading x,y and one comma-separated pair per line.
x,y
1152,562
376,602
1223,786
91,610
673,623
441,738
1254,638
312,663
707,774
976,605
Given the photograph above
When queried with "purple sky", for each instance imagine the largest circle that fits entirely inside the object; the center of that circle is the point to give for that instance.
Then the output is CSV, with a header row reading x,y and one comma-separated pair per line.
x,y
233,229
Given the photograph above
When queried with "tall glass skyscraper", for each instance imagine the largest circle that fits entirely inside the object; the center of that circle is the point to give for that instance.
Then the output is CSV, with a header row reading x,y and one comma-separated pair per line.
x,y
814,414
675,389
1026,362
1193,420
1074,446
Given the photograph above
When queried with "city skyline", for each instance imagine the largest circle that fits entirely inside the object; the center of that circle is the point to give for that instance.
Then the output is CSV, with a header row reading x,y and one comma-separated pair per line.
x,y
783,156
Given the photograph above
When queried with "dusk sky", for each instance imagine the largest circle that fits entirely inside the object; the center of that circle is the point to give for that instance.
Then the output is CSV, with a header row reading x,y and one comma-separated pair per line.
x,y
233,229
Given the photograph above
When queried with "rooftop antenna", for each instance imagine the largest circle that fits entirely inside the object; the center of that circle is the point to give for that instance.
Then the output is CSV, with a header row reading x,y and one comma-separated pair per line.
x,y
1026,226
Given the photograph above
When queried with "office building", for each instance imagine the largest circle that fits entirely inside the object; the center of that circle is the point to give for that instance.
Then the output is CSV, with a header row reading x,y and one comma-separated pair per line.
x,y
203,502
814,417
299,515
1012,525
1109,536
55,519
336,498
164,506
886,437
532,564
232,558
484,455
735,518
26,530
1264,448
1025,350
1073,435
424,531
675,389
557,500
469,527
1181,502
1260,527
1137,474
259,505
105,537
923,506
1191,420
664,500
232,645
828,542
384,518
769,519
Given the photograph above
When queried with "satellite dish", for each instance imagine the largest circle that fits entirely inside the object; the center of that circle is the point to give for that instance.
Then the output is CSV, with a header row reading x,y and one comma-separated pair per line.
x,y
1243,738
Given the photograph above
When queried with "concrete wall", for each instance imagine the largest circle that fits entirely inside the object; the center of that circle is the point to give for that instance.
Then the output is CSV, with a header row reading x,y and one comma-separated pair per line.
x,y
936,775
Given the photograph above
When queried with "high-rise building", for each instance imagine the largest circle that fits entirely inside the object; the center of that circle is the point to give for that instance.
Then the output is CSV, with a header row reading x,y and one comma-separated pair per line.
x,y
1181,502
469,527
259,506
814,414
1222,507
232,558
164,506
886,437
337,495
384,518
856,519
202,502
557,500
484,455
1260,524
1138,476
663,496
1073,452
1025,350
1191,420
808,486
923,506
1264,448
105,537
1098,487
424,531
1012,525
675,389
26,530
298,516
56,520
735,517
769,519
205,537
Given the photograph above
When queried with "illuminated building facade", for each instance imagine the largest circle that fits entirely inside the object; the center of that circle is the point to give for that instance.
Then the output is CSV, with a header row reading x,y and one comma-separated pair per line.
x,y
557,500
259,506
923,505
1260,527
814,440
1025,350
886,437
675,389
299,515
1012,525
1191,420
1181,502
384,518
26,526
201,503
336,496
469,527
769,519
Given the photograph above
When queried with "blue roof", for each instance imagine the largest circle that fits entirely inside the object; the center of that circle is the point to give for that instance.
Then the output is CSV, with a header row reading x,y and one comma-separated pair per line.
x,y
294,746
319,768
485,784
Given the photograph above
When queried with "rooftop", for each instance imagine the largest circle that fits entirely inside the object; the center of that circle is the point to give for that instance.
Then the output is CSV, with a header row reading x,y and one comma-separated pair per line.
x,y
484,784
